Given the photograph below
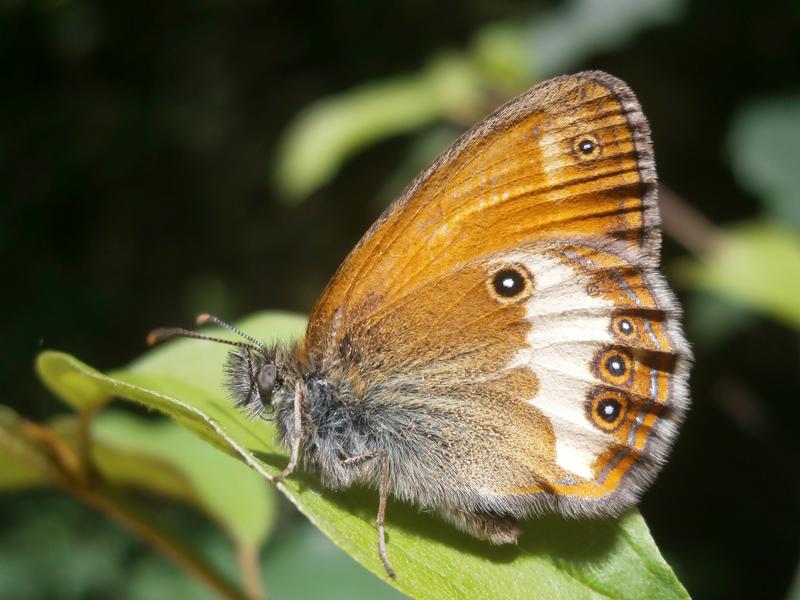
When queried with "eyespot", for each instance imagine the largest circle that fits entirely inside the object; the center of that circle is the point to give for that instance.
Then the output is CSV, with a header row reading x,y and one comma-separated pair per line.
x,y
510,283
586,146
613,365
625,327
607,408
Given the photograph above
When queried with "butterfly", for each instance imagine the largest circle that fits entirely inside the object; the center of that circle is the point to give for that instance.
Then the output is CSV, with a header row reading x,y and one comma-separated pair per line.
x,y
500,343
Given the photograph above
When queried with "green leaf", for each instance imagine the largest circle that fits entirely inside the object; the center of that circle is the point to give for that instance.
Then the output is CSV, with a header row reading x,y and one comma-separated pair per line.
x,y
332,130
756,265
555,559
23,464
565,36
164,458
336,575
763,150
711,319
794,589
156,456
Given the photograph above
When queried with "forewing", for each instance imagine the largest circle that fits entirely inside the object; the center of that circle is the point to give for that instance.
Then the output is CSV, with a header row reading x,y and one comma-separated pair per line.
x,y
569,394
520,176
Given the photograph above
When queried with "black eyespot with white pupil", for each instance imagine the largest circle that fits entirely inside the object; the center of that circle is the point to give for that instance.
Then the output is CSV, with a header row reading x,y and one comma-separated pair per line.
x,y
586,146
625,327
608,409
615,365
508,283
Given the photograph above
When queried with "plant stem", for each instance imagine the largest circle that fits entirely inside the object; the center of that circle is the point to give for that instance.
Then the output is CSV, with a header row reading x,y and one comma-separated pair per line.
x,y
685,224
83,439
125,512
250,567
73,472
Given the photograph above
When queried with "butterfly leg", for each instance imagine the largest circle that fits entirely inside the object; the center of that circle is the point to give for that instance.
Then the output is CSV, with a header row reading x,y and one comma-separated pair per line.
x,y
492,528
297,434
383,494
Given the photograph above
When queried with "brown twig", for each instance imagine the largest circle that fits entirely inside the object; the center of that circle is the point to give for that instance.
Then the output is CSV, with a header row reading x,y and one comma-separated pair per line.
x,y
83,440
685,224
250,568
110,502
70,473
62,457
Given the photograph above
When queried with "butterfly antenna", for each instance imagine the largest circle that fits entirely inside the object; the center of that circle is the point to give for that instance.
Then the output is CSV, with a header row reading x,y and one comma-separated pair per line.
x,y
205,318
165,333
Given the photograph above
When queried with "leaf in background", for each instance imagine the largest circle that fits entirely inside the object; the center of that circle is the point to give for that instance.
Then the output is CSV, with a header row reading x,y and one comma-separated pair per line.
x,y
756,265
230,493
563,38
336,575
23,464
763,150
794,590
555,559
155,456
712,319
332,130
502,58
54,547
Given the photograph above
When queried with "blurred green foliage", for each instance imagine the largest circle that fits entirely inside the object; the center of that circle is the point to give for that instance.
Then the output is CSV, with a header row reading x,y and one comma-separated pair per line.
x,y
178,466
138,152
756,265
763,149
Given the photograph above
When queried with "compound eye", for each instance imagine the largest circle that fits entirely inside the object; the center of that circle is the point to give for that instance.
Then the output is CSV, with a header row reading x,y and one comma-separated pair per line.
x,y
266,377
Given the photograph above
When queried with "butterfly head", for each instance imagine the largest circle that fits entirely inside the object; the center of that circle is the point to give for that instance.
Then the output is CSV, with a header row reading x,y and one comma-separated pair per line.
x,y
253,378
253,375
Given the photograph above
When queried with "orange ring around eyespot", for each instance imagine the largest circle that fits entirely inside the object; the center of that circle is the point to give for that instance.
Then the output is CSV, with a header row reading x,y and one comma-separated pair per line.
x,y
625,327
516,273
607,360
586,147
607,407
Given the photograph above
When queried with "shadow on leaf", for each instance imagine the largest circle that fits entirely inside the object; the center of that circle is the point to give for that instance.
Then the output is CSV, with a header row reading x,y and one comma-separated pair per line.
x,y
565,540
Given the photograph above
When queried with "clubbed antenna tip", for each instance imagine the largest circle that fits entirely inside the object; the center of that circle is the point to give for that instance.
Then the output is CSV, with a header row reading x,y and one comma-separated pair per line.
x,y
162,334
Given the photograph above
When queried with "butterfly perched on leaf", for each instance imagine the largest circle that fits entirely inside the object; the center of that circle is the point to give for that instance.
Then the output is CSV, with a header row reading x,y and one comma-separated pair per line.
x,y
500,343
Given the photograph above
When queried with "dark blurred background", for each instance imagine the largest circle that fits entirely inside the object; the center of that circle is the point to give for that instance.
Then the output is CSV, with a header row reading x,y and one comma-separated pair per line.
x,y
224,156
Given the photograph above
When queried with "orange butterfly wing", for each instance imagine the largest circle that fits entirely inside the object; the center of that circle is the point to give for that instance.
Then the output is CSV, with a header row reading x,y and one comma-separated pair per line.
x,y
519,176
561,182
